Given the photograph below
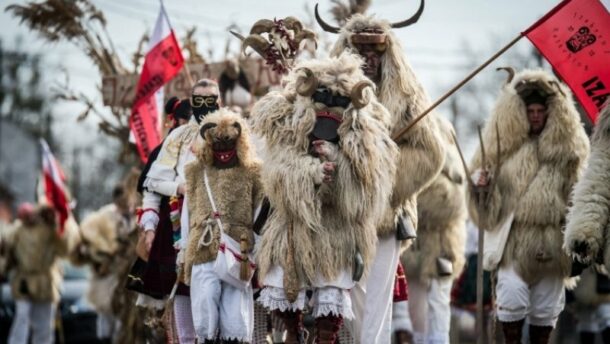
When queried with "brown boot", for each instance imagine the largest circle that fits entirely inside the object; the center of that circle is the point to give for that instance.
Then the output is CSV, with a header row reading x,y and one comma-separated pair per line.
x,y
293,321
327,328
512,331
403,337
540,334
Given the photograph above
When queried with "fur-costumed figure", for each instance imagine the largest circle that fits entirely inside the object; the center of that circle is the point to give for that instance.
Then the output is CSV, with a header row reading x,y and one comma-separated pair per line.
x,y
588,221
400,92
436,257
328,174
224,182
588,225
419,161
35,247
442,213
543,150
105,238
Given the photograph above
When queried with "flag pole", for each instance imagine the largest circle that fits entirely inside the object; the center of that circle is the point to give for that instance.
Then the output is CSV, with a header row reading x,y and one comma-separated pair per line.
x,y
456,87
185,69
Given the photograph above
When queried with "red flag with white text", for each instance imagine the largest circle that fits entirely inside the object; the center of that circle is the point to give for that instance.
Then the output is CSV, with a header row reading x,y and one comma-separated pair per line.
x,y
162,62
54,185
575,38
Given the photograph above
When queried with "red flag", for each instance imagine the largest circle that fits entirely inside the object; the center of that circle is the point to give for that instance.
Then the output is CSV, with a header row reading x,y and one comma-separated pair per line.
x,y
162,62
53,185
575,38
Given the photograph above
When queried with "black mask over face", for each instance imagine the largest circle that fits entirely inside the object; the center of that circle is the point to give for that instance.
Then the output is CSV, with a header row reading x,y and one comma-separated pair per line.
x,y
326,128
325,96
203,105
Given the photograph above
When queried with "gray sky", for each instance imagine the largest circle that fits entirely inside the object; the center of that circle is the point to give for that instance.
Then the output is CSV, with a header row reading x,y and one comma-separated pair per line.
x,y
433,45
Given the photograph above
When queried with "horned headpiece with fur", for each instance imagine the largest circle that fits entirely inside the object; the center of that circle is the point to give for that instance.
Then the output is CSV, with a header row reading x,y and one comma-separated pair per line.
x,y
277,41
398,87
510,116
224,140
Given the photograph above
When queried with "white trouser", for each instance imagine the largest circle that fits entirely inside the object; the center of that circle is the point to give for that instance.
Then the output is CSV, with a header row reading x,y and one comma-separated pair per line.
x,y
430,310
219,307
184,319
594,319
540,302
106,326
37,315
372,299
329,297
401,320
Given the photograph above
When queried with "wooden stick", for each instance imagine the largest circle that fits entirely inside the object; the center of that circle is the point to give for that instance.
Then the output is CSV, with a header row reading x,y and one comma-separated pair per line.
x,y
463,161
483,155
187,71
456,87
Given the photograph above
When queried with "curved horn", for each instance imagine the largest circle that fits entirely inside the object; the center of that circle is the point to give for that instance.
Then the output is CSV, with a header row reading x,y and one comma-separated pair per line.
x,y
256,42
510,71
293,23
306,34
357,95
306,85
238,35
238,126
411,20
324,25
263,25
205,127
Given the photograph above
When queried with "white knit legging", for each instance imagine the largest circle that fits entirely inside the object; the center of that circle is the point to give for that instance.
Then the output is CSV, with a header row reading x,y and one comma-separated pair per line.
x,y
184,319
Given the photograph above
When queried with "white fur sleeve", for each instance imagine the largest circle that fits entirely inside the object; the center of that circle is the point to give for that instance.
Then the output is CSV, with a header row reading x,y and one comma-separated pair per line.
x,y
589,215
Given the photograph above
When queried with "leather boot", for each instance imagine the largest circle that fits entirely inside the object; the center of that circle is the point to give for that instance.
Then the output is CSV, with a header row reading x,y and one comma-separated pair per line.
x,y
293,321
327,328
540,334
512,331
403,337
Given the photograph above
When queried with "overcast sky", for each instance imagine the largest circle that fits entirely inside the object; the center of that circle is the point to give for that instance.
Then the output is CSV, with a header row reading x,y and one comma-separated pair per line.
x,y
434,45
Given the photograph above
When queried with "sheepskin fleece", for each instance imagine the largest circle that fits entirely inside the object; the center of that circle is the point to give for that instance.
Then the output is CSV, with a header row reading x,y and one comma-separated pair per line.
x,y
442,213
421,149
330,221
535,177
102,233
589,217
237,191
37,250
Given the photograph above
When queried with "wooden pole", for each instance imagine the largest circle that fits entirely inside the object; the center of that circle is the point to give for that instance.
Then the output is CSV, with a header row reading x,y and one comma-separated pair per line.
x,y
456,87
479,277
187,72
480,328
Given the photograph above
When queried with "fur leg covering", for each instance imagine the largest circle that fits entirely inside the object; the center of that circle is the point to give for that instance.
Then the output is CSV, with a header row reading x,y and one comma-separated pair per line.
x,y
512,331
327,328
